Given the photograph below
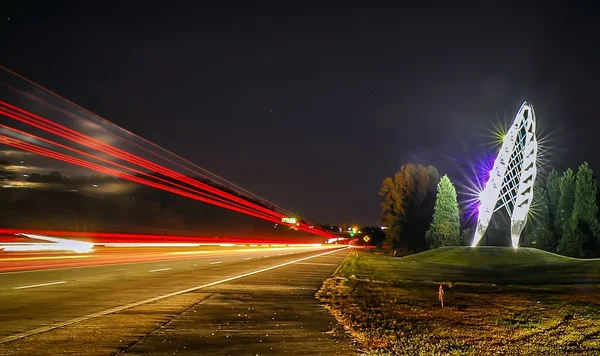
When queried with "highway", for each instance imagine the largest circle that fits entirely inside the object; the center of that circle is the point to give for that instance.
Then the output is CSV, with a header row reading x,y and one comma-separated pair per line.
x,y
51,291
35,260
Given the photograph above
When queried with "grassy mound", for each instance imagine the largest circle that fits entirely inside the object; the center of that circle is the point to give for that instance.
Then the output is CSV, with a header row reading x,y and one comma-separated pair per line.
x,y
497,265
487,256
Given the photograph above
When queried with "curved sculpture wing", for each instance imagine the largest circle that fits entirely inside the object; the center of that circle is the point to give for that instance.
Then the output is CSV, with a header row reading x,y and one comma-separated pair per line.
x,y
510,185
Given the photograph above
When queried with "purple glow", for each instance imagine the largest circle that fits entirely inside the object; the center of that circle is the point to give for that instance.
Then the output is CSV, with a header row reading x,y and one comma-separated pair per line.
x,y
481,168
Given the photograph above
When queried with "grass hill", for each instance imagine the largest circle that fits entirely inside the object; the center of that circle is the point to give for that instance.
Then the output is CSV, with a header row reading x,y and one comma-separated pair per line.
x,y
488,256
497,265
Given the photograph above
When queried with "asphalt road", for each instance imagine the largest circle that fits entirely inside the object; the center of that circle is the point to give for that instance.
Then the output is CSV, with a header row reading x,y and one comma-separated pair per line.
x,y
36,306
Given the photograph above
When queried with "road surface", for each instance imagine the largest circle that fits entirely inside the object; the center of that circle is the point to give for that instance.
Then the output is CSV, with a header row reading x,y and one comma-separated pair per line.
x,y
44,311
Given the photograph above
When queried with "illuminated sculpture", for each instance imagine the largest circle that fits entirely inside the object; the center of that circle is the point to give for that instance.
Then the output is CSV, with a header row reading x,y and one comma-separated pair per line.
x,y
510,185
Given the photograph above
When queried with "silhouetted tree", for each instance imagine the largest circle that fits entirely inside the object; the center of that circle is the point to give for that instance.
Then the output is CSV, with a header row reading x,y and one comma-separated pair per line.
x,y
572,240
553,191
566,200
539,232
585,207
445,227
407,207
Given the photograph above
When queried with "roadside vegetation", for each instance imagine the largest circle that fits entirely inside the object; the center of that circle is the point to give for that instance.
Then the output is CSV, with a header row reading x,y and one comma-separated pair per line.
x,y
497,301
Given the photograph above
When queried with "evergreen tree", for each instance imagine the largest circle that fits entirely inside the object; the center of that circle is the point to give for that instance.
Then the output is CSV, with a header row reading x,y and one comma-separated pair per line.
x,y
445,227
585,208
553,190
565,201
539,232
571,242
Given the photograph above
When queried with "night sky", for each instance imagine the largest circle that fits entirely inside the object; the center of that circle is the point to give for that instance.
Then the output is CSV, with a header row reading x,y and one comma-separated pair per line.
x,y
312,106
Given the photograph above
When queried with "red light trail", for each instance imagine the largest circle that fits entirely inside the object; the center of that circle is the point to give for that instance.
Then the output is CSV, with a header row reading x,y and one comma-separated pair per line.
x,y
131,142
218,197
90,142
69,114
122,166
128,237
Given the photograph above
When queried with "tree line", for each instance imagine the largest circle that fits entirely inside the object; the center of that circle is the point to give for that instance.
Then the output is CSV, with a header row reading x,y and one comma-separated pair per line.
x,y
420,210
564,214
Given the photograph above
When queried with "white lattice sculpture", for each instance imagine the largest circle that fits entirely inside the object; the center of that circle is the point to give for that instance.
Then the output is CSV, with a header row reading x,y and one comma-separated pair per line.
x,y
510,185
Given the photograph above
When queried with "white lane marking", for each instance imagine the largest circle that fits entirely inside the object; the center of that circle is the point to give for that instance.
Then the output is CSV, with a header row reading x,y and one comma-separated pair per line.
x,y
158,270
151,300
265,256
215,263
41,285
281,254
247,258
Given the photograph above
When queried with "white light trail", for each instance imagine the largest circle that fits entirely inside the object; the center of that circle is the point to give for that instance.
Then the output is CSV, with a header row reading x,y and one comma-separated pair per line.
x,y
58,245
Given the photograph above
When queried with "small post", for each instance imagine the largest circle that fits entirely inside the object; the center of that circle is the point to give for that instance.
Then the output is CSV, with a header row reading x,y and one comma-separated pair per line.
x,y
441,294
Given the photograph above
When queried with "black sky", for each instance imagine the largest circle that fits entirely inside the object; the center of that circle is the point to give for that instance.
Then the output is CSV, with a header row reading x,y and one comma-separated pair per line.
x,y
311,106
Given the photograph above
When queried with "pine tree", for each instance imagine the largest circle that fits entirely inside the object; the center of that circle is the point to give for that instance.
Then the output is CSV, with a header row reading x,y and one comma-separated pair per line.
x,y
571,242
565,202
553,190
539,232
445,227
585,207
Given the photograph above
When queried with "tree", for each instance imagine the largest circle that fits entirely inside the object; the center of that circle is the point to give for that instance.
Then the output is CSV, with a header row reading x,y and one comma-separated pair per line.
x,y
553,191
445,227
565,201
539,232
571,242
585,208
407,207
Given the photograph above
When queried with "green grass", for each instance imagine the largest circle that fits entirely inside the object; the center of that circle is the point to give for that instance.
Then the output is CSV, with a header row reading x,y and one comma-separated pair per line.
x,y
487,256
497,301
497,265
